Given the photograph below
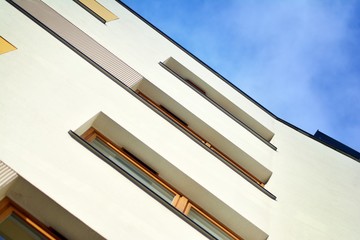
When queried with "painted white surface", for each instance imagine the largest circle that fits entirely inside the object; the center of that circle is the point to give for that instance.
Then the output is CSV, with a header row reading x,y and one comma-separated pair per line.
x,y
142,48
46,90
317,188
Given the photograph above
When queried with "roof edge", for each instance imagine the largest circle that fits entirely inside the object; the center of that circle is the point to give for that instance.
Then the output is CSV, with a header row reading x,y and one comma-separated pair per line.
x,y
230,83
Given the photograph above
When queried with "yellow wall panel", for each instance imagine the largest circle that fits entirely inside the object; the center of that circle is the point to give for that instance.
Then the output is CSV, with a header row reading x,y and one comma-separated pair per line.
x,y
5,46
99,9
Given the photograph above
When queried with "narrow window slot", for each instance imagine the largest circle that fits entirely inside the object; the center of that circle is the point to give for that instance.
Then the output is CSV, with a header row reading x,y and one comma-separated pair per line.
x,y
173,116
140,171
195,86
219,100
97,10
139,161
182,124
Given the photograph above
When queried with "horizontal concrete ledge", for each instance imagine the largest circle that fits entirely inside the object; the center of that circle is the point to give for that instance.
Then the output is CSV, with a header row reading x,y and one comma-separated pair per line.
x,y
220,108
139,184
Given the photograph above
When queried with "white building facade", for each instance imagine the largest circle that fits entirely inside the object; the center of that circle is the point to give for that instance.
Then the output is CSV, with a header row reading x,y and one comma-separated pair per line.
x,y
111,130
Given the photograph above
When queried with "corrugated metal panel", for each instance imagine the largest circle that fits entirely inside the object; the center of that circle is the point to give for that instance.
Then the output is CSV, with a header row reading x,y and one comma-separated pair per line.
x,y
79,40
7,175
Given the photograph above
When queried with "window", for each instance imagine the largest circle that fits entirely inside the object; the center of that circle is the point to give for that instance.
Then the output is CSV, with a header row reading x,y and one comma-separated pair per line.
x,y
202,219
5,46
97,10
218,100
185,126
150,179
15,223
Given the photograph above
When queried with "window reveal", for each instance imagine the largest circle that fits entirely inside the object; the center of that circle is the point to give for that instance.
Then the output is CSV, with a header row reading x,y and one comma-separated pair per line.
x,y
149,177
97,10
184,125
16,223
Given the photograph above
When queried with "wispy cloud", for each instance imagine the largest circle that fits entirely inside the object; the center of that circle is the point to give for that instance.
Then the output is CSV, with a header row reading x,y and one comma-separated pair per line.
x,y
300,59
303,67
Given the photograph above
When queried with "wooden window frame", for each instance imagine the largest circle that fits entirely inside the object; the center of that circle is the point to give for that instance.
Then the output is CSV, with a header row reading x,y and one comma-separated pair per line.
x,y
180,202
92,133
8,207
226,230
162,109
172,116
184,205
185,126
195,86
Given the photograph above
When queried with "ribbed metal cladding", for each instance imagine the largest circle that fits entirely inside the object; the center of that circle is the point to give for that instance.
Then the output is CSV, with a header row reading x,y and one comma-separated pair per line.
x,y
79,40
7,175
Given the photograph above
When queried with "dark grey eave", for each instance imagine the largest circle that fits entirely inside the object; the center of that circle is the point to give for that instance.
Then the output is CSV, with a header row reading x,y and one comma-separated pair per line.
x,y
228,82
196,58
339,146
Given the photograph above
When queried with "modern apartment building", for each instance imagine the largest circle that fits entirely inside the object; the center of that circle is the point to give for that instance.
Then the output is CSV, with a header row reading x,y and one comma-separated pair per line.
x,y
111,130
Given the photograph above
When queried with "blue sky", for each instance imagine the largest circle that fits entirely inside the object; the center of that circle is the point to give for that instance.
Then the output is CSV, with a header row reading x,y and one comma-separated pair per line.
x,y
300,59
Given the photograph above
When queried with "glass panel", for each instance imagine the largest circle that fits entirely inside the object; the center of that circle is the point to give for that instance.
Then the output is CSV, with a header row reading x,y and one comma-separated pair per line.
x,y
206,224
13,228
133,170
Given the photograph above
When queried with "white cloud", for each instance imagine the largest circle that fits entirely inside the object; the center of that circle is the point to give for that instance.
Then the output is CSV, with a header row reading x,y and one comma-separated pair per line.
x,y
297,58
299,51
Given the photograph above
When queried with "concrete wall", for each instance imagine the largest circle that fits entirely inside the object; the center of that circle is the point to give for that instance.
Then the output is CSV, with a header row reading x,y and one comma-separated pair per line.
x,y
317,188
47,90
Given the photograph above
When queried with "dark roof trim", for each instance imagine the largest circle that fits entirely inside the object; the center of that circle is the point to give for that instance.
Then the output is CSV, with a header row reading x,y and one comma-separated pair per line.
x,y
224,79
338,146
196,58
317,139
